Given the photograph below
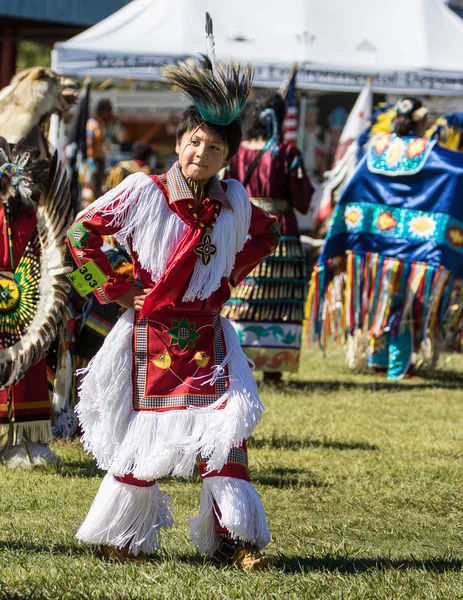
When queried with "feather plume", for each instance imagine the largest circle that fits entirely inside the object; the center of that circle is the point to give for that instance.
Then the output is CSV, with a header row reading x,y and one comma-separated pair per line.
x,y
218,91
210,43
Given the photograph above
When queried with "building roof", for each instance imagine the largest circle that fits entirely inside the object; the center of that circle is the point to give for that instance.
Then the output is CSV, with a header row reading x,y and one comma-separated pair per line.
x,y
81,12
406,46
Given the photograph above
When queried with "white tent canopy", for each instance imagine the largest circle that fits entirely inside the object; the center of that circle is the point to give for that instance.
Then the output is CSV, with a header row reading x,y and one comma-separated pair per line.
x,y
404,45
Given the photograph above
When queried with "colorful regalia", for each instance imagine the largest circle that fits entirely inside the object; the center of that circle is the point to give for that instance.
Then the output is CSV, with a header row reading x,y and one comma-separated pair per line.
x,y
267,308
392,264
25,409
34,215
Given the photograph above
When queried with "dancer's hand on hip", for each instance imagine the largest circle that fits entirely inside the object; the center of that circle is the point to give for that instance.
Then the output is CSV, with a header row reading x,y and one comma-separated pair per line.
x,y
133,298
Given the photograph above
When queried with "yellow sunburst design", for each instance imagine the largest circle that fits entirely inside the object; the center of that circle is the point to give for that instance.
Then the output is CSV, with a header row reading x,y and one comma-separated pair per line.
x,y
19,295
10,294
352,217
423,226
163,361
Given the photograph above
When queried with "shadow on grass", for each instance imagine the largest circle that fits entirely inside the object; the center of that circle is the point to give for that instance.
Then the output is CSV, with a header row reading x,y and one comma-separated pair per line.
x,y
285,442
293,564
302,564
62,549
81,468
79,550
446,376
450,380
286,477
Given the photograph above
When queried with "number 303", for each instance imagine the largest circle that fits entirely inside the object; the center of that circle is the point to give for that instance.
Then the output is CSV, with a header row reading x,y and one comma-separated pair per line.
x,y
88,276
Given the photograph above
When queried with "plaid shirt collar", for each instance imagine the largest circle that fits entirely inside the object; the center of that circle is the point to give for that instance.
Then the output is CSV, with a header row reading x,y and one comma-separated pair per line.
x,y
180,190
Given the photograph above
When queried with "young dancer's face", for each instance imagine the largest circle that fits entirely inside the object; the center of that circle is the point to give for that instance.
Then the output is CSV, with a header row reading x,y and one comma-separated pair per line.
x,y
201,153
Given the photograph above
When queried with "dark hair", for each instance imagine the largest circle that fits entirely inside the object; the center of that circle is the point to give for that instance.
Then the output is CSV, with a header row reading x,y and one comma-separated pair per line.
x,y
141,151
104,105
230,134
404,123
253,126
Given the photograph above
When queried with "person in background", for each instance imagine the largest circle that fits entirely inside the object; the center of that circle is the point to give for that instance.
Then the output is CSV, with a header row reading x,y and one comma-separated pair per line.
x,y
267,308
336,121
102,131
140,161
314,148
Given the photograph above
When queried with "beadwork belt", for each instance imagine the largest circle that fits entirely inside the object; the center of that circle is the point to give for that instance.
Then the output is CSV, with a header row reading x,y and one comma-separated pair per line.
x,y
275,206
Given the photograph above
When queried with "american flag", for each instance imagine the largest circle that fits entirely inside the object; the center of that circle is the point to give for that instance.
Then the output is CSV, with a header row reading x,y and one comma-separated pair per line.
x,y
292,110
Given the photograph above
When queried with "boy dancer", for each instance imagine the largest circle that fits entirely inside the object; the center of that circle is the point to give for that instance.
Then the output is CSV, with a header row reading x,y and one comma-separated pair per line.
x,y
171,385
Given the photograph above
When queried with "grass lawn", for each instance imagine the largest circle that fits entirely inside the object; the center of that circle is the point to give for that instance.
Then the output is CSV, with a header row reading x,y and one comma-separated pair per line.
x,y
362,480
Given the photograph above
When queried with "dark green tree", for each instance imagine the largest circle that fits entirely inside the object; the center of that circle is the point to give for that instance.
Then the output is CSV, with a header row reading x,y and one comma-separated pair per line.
x,y
31,54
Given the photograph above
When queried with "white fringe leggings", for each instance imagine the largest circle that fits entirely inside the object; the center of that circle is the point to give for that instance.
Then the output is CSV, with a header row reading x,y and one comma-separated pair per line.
x,y
129,512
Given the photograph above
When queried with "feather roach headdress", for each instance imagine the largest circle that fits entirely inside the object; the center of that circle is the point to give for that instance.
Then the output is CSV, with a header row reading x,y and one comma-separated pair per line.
x,y
218,91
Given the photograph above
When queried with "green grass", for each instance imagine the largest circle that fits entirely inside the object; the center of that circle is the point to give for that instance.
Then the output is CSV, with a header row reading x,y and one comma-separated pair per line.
x,y
362,480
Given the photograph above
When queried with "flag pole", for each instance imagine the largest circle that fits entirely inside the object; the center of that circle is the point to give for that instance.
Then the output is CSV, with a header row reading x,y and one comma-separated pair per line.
x,y
301,122
283,91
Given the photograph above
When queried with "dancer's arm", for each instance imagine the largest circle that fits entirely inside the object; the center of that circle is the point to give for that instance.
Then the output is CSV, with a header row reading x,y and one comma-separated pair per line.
x,y
264,235
85,240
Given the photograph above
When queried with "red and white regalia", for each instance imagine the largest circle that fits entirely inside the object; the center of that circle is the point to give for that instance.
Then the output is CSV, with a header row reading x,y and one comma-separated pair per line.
x,y
171,386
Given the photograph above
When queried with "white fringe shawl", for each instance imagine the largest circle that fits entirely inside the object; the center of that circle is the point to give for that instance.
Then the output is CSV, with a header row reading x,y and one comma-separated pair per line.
x,y
241,512
145,218
126,515
153,444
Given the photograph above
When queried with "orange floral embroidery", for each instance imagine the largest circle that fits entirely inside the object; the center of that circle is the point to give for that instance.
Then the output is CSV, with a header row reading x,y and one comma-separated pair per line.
x,y
382,143
386,221
416,147
455,235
